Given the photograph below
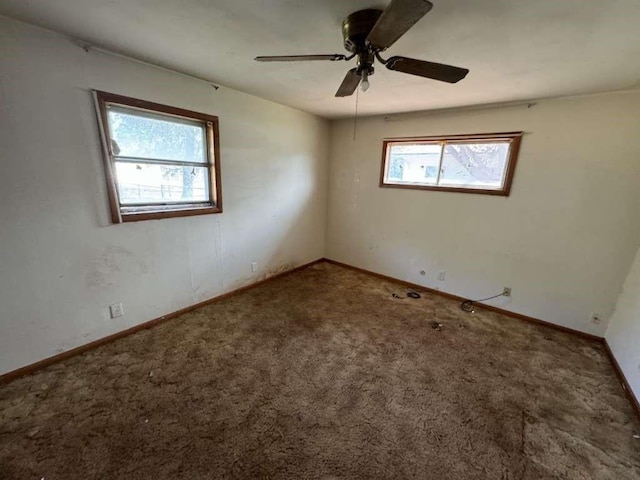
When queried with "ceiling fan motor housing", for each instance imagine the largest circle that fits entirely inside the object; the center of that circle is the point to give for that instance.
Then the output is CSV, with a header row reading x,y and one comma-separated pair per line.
x,y
356,28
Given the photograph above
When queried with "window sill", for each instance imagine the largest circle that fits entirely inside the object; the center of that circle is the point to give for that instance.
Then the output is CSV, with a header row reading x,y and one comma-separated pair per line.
x,y
147,214
481,191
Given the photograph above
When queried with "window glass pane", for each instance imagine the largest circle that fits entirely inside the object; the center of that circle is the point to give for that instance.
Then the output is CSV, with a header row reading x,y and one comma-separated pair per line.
x,y
474,165
152,183
413,163
148,135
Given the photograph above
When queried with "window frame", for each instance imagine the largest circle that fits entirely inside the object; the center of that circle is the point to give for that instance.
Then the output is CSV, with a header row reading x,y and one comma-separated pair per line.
x,y
134,213
514,139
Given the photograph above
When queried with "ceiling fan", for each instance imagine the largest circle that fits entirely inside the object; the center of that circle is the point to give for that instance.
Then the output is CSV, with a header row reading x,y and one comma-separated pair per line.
x,y
368,32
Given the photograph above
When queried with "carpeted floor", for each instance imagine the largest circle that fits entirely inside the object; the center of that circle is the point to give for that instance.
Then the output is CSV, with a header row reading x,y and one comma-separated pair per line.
x,y
322,374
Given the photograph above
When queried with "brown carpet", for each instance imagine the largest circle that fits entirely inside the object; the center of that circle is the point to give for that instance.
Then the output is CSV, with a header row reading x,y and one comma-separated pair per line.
x,y
321,374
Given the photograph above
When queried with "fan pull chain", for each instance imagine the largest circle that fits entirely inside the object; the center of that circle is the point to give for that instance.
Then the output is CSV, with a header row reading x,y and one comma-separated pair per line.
x,y
355,118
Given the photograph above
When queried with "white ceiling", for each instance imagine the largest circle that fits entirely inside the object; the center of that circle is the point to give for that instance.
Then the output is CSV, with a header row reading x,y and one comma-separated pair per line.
x,y
515,49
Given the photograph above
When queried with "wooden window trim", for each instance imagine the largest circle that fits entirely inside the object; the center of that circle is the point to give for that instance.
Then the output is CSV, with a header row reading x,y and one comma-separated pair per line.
x,y
213,205
514,139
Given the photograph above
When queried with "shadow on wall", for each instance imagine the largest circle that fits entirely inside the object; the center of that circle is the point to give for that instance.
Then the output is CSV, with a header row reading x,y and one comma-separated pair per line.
x,y
296,207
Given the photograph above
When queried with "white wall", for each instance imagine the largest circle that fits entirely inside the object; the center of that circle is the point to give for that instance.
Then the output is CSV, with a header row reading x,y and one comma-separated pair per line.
x,y
623,334
61,262
563,240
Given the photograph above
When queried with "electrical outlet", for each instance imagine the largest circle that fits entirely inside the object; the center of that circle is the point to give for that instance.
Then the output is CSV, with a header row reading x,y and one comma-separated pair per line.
x,y
595,318
254,267
116,310
506,291
441,276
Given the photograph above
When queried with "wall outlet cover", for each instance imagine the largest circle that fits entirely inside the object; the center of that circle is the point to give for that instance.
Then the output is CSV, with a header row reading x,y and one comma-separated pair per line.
x,y
116,310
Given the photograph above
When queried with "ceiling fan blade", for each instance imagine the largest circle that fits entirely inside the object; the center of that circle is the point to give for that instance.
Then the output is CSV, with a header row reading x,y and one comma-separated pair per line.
x,y
349,84
297,58
435,71
397,18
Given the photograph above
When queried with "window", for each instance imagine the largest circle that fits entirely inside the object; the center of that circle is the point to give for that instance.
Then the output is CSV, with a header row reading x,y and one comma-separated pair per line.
x,y
160,161
456,163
